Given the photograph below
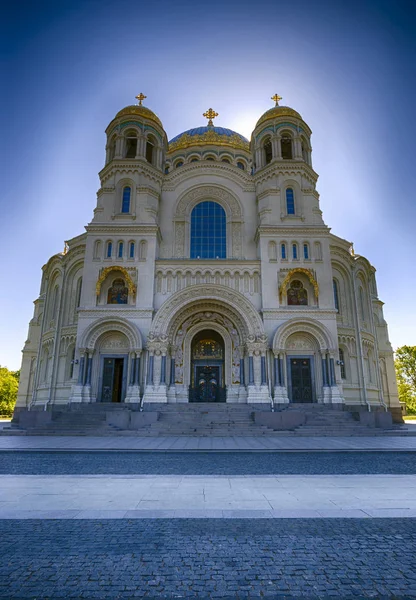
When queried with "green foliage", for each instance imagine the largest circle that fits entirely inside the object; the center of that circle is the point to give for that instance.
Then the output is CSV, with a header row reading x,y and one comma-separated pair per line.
x,y
405,364
9,382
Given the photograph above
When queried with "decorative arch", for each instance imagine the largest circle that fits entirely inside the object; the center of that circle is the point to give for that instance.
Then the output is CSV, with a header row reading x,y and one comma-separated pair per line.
x,y
130,284
289,276
106,325
303,326
212,296
233,211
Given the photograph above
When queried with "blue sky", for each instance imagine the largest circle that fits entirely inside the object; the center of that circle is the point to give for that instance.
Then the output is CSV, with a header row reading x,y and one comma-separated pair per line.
x,y
348,68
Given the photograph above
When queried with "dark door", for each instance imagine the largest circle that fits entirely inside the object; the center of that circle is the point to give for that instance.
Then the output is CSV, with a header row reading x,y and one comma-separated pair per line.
x,y
300,369
207,386
112,380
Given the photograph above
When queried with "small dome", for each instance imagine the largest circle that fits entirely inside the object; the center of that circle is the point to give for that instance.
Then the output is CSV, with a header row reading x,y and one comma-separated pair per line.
x,y
142,111
209,135
278,111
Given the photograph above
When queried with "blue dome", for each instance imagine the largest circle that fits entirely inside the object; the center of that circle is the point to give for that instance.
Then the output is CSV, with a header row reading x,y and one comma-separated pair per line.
x,y
203,130
201,136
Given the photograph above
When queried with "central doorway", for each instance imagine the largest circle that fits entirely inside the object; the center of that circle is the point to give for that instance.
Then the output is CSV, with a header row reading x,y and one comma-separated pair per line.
x,y
207,368
301,380
113,379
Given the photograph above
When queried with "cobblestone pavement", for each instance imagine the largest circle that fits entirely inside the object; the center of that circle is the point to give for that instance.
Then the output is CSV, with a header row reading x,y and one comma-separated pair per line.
x,y
197,558
207,463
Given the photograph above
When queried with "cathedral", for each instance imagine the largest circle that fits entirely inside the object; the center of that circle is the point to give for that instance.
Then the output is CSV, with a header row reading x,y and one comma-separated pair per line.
x,y
207,274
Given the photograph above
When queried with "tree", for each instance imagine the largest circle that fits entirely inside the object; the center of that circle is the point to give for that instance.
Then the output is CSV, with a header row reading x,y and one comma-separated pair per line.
x,y
405,364
9,382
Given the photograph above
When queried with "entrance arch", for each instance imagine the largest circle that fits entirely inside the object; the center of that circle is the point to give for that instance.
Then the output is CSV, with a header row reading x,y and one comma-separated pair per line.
x,y
207,367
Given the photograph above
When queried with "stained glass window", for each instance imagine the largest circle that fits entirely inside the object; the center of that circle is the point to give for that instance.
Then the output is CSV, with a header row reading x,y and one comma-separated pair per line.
x,y
207,349
290,202
208,231
125,206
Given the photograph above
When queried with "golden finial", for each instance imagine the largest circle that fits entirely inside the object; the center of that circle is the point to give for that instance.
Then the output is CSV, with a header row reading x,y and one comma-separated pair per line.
x,y
140,97
66,248
276,98
210,114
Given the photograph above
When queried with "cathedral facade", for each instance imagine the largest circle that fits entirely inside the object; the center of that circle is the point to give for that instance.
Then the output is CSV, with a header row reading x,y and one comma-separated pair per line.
x,y
207,274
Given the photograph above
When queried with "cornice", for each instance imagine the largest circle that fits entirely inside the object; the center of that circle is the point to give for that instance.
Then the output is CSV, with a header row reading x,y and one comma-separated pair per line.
x,y
316,231
288,168
204,168
133,166
204,263
111,312
126,228
284,313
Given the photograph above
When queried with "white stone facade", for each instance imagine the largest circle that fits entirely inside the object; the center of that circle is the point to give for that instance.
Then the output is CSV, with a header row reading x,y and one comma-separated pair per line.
x,y
266,323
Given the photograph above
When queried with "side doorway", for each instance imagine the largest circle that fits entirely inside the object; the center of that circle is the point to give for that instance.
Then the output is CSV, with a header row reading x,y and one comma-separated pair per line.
x,y
113,378
301,379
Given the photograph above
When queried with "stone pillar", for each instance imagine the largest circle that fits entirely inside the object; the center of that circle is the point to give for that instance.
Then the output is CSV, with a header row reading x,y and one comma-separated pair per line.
x,y
279,147
263,380
276,147
297,148
280,391
133,389
171,392
250,370
336,396
77,389
258,390
86,390
119,147
156,376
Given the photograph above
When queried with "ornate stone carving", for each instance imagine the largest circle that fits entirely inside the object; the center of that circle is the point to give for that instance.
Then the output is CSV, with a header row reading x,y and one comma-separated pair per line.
x,y
180,239
299,342
158,345
114,324
301,326
188,200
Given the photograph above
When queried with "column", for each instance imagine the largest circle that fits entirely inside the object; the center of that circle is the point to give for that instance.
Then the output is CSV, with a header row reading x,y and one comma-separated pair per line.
x,y
163,370
172,371
150,370
136,370
250,370
332,371
242,371
263,370
81,370
276,368
89,369
324,372
132,369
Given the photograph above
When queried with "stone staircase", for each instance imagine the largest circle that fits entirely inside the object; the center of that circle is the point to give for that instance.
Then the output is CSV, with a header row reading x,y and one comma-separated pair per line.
x,y
202,420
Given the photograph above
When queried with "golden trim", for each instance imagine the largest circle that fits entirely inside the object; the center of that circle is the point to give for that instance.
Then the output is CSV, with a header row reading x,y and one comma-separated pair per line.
x,y
278,111
289,276
107,270
142,111
209,138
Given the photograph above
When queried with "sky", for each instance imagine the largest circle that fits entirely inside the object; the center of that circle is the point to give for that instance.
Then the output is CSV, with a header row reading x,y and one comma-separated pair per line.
x,y
70,66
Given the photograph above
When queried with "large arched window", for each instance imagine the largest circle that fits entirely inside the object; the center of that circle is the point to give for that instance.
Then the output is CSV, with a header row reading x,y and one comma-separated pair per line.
x,y
208,231
150,150
290,201
125,204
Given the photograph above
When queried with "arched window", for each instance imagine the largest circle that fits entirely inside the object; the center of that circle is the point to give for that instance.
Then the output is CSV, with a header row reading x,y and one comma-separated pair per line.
x,y
55,302
286,147
211,158
336,295
131,144
361,297
112,148
317,250
78,292
166,169
226,160
120,250
272,251
305,153
72,363
150,150
294,251
283,251
290,201
118,292
125,204
179,164
194,159
342,364
306,251
97,249
143,250
109,252
240,165
268,153
208,231
131,250
296,294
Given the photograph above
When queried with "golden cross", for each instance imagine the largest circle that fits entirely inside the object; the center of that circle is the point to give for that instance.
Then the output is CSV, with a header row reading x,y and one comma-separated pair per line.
x,y
276,98
210,114
140,97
